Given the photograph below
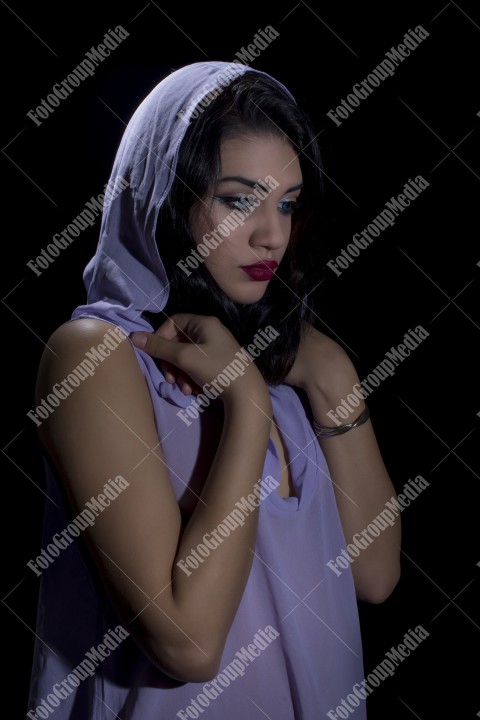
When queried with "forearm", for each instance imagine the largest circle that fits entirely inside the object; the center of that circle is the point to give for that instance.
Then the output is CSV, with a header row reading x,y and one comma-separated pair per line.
x,y
362,488
207,597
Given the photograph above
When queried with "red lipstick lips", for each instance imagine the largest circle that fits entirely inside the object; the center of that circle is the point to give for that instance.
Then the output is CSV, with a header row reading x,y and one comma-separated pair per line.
x,y
261,271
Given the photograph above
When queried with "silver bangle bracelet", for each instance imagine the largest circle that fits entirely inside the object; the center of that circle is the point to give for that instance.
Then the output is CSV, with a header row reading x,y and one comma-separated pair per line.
x,y
324,431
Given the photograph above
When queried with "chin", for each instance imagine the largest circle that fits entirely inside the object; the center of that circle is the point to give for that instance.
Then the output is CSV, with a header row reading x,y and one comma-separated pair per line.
x,y
247,296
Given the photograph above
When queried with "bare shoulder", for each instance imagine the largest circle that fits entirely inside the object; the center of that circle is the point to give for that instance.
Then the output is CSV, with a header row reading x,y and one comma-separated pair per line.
x,y
82,333
89,364
80,347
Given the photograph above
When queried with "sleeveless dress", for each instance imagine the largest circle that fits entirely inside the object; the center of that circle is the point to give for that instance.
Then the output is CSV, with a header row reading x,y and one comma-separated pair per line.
x,y
294,648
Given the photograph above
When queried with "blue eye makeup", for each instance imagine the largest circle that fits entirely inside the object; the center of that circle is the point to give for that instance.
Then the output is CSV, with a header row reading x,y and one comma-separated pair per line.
x,y
238,202
288,207
241,202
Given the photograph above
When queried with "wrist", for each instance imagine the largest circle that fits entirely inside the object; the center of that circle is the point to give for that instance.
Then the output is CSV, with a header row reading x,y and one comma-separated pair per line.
x,y
340,428
337,406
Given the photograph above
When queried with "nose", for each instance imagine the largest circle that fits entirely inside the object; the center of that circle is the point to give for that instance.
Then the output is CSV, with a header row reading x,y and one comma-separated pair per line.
x,y
271,229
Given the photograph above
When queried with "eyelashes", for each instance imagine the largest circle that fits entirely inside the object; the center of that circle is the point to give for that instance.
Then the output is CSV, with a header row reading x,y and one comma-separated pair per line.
x,y
235,202
241,202
290,206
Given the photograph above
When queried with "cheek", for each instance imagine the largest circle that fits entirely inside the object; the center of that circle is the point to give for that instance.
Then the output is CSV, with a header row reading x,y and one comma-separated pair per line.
x,y
222,221
229,249
221,257
216,261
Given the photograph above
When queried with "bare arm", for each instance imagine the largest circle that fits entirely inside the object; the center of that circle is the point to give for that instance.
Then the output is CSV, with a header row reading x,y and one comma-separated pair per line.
x,y
362,488
106,428
360,479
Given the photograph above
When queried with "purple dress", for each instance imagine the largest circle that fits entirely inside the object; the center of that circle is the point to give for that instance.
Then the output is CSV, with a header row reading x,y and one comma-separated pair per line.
x,y
294,648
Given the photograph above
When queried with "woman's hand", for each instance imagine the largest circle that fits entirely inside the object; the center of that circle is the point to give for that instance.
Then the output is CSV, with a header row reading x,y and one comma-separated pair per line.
x,y
192,350
173,374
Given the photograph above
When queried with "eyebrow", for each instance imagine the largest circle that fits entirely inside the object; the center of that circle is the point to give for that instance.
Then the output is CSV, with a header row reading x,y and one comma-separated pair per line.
x,y
253,183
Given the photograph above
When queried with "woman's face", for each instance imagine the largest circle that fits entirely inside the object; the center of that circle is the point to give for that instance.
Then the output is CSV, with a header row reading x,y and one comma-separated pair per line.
x,y
265,232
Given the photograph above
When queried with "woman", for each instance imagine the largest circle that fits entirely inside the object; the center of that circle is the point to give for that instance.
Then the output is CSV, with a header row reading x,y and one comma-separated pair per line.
x,y
183,458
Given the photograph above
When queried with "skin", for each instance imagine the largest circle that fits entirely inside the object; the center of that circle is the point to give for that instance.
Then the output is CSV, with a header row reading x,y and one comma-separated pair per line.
x,y
360,479
107,428
322,368
266,231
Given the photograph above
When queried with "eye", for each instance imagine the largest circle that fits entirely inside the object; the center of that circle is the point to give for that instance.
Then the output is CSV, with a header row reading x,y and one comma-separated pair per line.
x,y
236,202
242,202
288,207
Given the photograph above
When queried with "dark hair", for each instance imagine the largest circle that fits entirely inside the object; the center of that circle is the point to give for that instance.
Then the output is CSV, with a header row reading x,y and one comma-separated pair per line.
x,y
252,103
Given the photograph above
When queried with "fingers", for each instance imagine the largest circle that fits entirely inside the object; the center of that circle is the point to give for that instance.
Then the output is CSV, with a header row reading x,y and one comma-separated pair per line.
x,y
168,329
173,375
183,344
185,387
169,376
171,372
180,327
154,345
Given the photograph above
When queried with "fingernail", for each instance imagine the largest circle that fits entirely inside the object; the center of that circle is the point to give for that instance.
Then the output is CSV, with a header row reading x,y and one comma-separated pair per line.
x,y
139,340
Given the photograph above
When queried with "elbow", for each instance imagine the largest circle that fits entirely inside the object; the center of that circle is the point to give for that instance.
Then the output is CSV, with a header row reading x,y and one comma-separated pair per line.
x,y
379,587
187,664
189,656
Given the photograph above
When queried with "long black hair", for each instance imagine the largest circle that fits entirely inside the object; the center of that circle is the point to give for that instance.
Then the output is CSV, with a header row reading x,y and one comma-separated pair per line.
x,y
250,104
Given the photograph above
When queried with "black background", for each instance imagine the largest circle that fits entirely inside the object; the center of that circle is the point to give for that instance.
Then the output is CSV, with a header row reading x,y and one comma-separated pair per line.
x,y
423,271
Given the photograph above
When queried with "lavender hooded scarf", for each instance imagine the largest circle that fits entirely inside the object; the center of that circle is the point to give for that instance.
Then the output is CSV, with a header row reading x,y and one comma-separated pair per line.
x,y
126,276
294,649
